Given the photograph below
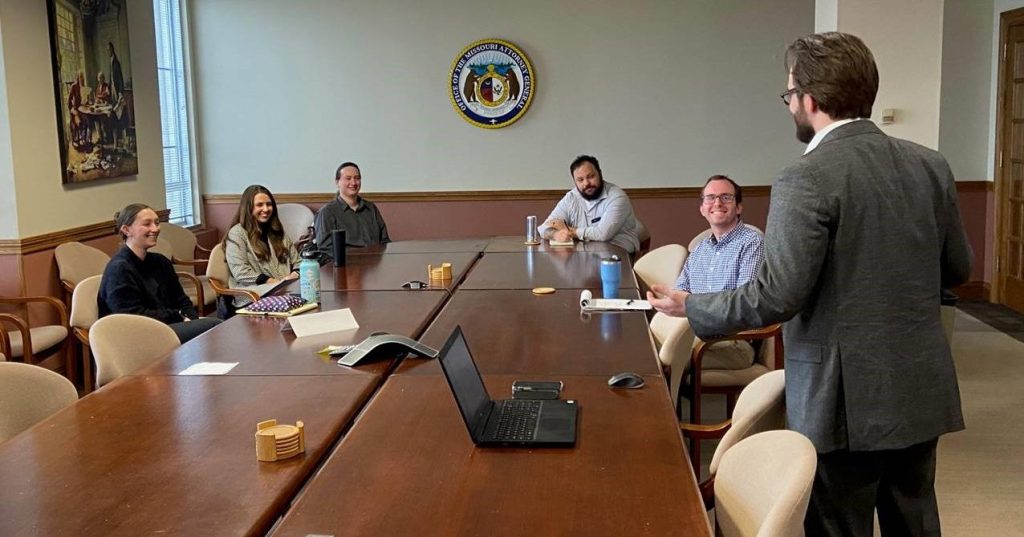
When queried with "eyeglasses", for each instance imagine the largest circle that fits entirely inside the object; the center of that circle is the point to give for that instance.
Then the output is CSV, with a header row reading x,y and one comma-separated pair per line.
x,y
787,95
726,199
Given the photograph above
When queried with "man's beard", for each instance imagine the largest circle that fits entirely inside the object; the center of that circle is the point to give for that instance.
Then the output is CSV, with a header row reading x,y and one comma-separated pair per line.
x,y
597,192
804,130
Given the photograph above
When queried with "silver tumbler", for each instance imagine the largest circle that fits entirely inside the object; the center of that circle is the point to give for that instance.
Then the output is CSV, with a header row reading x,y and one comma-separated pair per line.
x,y
531,229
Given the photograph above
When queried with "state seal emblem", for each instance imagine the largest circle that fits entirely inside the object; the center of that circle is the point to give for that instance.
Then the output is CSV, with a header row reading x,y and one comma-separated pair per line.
x,y
491,83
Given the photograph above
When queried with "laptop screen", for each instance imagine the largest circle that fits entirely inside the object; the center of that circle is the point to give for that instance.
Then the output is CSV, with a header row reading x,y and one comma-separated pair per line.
x,y
465,381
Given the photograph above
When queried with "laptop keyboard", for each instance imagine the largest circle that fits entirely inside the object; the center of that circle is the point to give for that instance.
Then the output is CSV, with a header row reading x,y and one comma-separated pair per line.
x,y
518,419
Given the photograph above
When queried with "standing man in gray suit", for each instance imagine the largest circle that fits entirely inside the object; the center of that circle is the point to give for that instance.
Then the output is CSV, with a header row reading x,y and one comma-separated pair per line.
x,y
863,232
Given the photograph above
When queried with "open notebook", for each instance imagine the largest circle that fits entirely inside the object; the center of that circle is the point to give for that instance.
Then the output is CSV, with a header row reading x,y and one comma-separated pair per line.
x,y
589,303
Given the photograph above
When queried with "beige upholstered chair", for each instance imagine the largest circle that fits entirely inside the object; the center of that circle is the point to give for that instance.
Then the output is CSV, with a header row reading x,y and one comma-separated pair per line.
x,y
179,245
661,265
674,340
764,485
85,312
76,262
124,343
40,344
217,273
29,393
296,219
761,407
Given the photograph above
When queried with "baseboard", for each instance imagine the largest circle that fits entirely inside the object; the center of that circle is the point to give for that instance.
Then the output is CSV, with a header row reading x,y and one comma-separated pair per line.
x,y
974,291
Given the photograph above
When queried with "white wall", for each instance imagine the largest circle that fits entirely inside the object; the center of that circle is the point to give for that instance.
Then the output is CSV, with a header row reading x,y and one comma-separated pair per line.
x,y
826,13
33,143
664,92
906,39
965,102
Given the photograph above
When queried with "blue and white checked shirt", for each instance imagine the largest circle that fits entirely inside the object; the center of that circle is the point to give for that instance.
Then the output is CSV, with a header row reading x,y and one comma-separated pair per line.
x,y
720,265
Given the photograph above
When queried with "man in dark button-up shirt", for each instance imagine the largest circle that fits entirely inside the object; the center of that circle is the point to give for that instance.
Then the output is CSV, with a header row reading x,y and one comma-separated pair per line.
x,y
362,222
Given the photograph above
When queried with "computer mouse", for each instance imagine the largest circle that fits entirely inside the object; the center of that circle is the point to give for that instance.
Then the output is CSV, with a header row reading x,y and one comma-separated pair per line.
x,y
626,380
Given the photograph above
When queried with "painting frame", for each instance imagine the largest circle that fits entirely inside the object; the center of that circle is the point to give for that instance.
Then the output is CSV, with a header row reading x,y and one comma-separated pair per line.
x,y
93,89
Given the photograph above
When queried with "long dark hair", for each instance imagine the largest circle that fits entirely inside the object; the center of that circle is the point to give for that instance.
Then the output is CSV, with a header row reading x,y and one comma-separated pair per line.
x,y
260,235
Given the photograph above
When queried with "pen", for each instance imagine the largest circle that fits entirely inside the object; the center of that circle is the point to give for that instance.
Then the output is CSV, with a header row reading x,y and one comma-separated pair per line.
x,y
630,301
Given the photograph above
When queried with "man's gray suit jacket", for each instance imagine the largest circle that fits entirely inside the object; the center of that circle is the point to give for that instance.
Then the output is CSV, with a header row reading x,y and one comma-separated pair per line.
x,y
862,234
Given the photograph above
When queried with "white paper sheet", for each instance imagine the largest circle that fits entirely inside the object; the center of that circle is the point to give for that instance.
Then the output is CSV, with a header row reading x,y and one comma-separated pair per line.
x,y
589,303
323,322
209,368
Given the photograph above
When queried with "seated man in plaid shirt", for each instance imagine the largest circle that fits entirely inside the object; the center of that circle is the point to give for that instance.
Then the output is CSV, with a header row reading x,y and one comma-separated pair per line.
x,y
728,258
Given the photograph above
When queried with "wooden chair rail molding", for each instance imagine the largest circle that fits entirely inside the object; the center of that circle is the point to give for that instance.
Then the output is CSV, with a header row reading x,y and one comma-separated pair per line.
x,y
48,241
504,195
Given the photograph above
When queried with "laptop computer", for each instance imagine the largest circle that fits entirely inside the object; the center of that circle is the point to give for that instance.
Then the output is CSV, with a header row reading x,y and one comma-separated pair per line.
x,y
510,422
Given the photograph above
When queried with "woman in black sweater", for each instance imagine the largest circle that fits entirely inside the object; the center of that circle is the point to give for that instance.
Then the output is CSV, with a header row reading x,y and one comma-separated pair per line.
x,y
143,283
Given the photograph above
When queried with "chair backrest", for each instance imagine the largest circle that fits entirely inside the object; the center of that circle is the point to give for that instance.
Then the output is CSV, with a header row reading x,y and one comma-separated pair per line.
x,y
704,234
77,261
760,407
674,339
164,248
217,265
183,242
296,219
764,484
123,343
84,310
29,393
661,265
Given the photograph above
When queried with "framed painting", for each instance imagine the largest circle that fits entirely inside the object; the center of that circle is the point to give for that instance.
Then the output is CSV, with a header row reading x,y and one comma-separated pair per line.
x,y
92,75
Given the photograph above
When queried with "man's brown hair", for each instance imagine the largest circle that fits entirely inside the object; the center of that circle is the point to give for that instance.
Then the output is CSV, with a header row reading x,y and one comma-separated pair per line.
x,y
838,70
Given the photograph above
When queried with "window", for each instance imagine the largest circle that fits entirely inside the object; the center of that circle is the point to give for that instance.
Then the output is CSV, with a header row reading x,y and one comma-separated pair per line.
x,y
174,119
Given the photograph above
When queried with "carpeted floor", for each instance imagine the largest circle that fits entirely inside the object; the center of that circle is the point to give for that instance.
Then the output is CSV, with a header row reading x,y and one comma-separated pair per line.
x,y
980,473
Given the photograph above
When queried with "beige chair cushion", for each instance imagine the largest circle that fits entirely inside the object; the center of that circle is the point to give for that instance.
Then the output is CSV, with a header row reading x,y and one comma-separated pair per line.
x,y
76,261
182,243
731,377
29,393
84,309
674,339
763,485
123,343
661,265
209,294
217,266
760,407
43,338
295,218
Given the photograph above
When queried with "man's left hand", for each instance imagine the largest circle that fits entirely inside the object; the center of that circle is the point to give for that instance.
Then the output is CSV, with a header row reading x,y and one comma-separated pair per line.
x,y
668,301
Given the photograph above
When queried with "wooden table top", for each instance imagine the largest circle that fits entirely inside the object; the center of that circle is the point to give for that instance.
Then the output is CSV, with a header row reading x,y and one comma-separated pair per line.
x,y
408,467
561,269
387,272
108,466
518,244
423,247
261,348
516,331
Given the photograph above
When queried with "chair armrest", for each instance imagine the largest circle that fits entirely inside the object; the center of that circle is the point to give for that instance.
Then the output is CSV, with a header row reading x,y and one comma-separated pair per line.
x,y
198,286
746,335
191,262
26,338
228,291
62,310
698,431
203,249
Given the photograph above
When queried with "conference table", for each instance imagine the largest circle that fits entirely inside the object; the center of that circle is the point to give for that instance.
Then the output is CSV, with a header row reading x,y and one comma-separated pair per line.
x,y
387,450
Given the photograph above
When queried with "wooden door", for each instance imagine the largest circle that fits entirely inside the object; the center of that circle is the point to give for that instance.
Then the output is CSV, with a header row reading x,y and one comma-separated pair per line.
x,y
1010,164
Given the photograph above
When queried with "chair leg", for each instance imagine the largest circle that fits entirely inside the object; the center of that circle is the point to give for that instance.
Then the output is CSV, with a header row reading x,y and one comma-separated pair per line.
x,y
695,457
730,403
87,383
70,360
695,407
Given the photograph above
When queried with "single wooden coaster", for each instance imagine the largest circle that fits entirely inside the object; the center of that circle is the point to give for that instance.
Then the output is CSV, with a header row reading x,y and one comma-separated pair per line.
x,y
543,290
531,243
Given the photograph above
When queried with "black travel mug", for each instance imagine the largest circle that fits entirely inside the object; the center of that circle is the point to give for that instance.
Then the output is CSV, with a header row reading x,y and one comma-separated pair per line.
x,y
338,238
